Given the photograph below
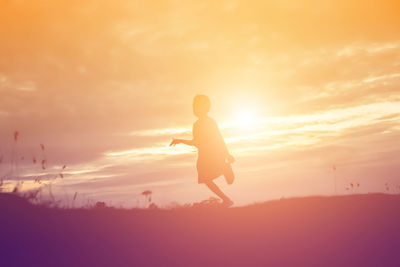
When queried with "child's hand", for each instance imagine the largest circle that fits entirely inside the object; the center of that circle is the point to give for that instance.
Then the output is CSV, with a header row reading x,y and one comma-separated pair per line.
x,y
174,142
230,159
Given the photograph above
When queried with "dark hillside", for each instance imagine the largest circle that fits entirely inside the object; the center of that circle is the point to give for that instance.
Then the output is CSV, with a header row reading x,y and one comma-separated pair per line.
x,y
353,230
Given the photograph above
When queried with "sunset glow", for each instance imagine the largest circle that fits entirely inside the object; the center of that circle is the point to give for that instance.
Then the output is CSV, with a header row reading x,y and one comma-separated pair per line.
x,y
295,90
245,118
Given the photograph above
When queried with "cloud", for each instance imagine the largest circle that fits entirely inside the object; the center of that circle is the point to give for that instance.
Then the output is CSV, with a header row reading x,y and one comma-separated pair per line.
x,y
106,86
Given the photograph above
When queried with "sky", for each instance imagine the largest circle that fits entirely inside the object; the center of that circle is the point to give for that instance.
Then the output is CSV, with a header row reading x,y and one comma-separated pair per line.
x,y
306,94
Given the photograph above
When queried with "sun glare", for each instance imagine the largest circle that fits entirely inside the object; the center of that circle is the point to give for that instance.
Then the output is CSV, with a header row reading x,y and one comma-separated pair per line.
x,y
245,117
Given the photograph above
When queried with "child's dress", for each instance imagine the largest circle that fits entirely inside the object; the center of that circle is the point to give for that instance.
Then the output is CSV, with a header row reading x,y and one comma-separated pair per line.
x,y
211,161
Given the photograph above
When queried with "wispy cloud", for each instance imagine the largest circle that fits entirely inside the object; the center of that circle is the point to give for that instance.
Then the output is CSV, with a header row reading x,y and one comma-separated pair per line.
x,y
324,83
307,128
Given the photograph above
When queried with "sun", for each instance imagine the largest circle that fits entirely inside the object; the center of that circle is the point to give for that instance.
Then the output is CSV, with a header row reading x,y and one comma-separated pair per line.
x,y
245,117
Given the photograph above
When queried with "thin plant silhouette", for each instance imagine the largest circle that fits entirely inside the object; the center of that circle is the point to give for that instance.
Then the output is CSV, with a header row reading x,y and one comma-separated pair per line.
x,y
43,179
213,159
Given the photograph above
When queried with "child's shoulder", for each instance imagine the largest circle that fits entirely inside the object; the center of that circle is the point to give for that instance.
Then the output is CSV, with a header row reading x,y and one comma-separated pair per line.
x,y
204,121
205,124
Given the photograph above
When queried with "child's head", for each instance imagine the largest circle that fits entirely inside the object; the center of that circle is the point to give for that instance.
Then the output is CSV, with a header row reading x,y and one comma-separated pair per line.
x,y
201,105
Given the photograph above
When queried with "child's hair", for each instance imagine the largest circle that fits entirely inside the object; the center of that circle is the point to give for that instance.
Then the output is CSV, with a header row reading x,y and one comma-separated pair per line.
x,y
201,105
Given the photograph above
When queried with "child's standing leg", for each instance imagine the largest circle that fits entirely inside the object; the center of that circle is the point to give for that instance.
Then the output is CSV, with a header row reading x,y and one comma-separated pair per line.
x,y
213,187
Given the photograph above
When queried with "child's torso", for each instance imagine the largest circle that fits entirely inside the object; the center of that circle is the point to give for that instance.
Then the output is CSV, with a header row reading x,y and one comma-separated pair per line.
x,y
208,139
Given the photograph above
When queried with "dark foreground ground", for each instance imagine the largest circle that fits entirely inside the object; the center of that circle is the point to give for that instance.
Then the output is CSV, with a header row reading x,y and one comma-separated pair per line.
x,y
359,230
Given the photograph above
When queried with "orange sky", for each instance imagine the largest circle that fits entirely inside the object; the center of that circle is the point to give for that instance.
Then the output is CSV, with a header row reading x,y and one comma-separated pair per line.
x,y
296,87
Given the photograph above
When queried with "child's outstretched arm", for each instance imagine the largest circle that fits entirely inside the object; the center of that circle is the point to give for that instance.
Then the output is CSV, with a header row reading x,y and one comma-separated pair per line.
x,y
182,141
192,142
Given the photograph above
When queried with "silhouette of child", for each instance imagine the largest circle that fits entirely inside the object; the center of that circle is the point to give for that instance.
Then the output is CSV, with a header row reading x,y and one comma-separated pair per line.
x,y
213,159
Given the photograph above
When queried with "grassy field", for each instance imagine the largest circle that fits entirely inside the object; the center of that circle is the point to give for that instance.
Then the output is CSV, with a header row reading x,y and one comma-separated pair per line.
x,y
354,230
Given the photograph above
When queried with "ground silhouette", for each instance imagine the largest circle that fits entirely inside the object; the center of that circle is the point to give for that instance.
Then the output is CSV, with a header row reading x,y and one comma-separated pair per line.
x,y
357,230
